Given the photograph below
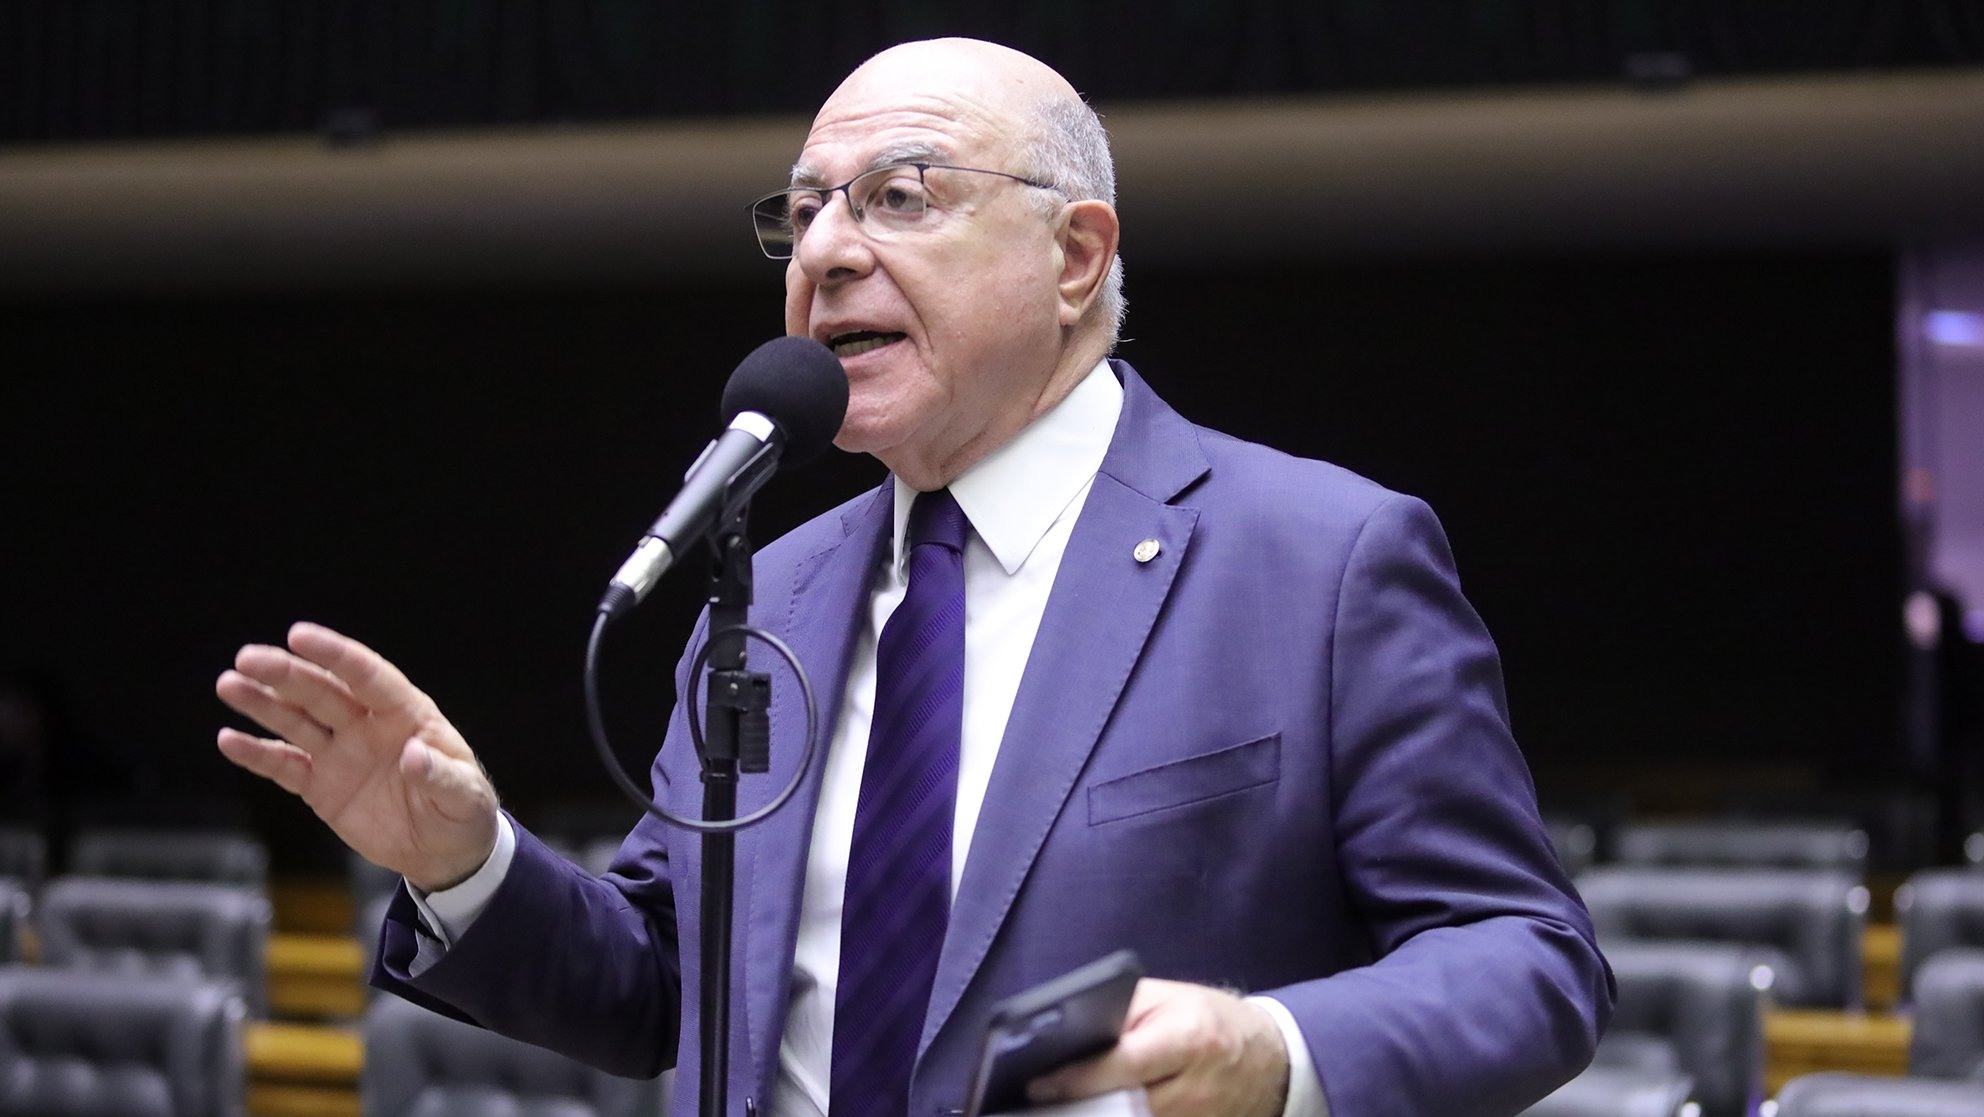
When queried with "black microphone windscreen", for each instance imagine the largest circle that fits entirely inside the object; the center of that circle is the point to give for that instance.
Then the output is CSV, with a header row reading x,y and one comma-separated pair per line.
x,y
798,384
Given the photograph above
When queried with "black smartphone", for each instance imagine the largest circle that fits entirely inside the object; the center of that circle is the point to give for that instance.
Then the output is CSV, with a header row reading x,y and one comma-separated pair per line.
x,y
1070,1018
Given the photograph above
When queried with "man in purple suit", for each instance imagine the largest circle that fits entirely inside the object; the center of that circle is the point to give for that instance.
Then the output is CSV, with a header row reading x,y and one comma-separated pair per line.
x,y
1207,701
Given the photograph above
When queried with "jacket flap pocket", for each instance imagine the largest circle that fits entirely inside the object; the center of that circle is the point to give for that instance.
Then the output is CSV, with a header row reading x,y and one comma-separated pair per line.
x,y
1183,782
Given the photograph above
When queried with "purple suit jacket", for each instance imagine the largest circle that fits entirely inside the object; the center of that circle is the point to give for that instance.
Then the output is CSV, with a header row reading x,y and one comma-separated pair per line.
x,y
1275,757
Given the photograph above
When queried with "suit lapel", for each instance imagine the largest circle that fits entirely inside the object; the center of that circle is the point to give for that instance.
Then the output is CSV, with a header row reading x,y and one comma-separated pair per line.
x,y
1098,617
823,613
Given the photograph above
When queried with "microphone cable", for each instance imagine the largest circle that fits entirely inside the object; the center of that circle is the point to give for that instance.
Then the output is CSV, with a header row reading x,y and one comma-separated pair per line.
x,y
596,723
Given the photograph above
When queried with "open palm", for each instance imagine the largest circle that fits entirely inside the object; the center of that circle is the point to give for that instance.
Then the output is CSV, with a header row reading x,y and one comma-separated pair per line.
x,y
366,750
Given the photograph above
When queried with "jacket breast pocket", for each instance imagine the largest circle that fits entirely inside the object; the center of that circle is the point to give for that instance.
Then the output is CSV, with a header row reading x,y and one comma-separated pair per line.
x,y
1181,783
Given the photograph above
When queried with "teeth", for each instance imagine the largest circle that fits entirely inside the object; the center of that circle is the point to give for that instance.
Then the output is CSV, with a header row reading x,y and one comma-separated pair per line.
x,y
861,343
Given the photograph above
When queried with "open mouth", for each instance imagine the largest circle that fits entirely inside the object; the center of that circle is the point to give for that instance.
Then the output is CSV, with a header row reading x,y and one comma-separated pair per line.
x,y
861,341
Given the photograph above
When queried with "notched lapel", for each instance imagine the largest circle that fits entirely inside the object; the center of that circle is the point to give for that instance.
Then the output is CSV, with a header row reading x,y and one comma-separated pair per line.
x,y
1098,619
818,619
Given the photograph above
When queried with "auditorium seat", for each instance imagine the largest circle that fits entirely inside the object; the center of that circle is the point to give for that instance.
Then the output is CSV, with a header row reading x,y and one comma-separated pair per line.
x,y
1692,1008
1839,1094
23,856
199,855
1809,920
13,919
1742,843
167,928
422,1064
1945,1057
1973,848
1619,1092
1900,825
1576,844
113,1045
1948,1040
1937,909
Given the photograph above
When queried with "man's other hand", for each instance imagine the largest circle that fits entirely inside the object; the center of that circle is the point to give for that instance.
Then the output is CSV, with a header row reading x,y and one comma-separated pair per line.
x,y
367,751
1198,1051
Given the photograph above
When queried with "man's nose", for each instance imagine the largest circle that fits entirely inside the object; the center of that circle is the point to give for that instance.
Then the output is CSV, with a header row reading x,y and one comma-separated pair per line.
x,y
834,246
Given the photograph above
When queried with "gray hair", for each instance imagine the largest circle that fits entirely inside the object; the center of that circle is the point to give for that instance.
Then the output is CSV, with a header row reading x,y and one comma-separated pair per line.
x,y
1070,149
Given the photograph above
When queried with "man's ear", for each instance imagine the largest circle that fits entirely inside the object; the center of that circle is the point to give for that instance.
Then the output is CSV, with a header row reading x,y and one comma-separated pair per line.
x,y
1085,244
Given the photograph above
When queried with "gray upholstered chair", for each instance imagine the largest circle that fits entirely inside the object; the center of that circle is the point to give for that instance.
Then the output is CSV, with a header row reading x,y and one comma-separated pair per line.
x,y
23,856
1945,1055
13,919
1742,844
1948,1038
1694,1009
222,857
1576,844
112,1045
422,1064
1603,1091
1811,920
1937,909
1837,1094
167,928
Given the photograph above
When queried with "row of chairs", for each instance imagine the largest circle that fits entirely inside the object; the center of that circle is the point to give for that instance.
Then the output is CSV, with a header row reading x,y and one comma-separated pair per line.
x,y
105,1045
221,857
1752,843
1700,952
136,928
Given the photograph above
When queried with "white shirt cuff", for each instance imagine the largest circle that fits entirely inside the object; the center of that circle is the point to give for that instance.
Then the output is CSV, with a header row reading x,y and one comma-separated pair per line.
x,y
1305,1086
449,911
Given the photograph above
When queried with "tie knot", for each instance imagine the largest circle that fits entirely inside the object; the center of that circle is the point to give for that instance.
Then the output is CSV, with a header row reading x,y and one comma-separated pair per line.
x,y
936,518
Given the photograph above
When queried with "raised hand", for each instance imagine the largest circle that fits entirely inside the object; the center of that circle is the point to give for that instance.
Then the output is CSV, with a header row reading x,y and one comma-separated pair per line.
x,y
369,752
1198,1051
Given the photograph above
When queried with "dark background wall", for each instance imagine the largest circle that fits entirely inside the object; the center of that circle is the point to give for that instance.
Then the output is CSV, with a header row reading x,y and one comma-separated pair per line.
x,y
1668,479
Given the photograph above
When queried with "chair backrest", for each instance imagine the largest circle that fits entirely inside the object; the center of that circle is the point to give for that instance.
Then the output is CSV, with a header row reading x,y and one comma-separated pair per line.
x,y
1937,909
23,856
1840,1094
168,928
1973,848
1948,1038
422,1064
1742,844
1706,1001
209,855
1576,844
13,919
106,1045
1618,1092
1813,918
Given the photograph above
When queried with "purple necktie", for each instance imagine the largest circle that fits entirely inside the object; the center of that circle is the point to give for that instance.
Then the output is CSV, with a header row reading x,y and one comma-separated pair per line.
x,y
898,895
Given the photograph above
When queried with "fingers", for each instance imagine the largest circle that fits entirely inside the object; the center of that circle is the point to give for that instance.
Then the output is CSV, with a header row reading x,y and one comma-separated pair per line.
x,y
1144,1055
300,684
261,703
280,761
1195,1049
373,682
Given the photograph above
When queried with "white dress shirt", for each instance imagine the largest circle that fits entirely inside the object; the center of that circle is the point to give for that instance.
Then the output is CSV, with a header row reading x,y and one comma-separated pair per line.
x,y
1022,501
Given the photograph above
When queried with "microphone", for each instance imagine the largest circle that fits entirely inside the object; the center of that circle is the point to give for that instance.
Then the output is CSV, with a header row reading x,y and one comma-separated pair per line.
x,y
784,404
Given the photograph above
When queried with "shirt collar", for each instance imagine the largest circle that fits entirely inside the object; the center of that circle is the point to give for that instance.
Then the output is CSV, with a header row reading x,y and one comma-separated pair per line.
x,y
1017,492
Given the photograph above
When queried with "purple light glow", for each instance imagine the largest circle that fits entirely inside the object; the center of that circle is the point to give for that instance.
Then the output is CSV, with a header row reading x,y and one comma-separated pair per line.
x,y
1962,328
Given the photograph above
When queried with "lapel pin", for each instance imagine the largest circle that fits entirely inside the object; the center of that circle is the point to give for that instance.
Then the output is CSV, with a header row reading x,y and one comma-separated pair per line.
x,y
1146,550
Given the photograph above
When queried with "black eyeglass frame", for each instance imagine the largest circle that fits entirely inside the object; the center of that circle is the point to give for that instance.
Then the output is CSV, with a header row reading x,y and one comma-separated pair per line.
x,y
759,221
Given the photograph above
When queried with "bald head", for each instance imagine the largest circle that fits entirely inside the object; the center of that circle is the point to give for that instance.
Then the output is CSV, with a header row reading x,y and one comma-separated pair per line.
x,y
997,77
974,292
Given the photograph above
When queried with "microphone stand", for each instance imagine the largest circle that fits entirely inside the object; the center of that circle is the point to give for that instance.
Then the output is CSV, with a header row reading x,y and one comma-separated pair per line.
x,y
736,738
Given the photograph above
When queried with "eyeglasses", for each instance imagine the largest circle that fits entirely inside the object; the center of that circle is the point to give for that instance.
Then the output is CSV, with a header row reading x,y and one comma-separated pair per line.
x,y
886,201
